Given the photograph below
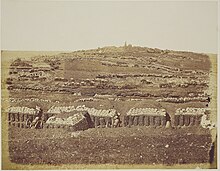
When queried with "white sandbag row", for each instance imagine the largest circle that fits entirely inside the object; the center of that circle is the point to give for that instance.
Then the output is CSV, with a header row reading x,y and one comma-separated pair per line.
x,y
146,111
145,117
86,100
190,116
20,109
71,120
182,99
191,111
15,100
67,109
102,112
60,109
91,111
76,122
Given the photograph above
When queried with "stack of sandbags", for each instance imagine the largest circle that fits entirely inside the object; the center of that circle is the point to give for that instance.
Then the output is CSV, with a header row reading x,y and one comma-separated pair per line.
x,y
189,116
17,116
75,122
60,109
101,112
100,117
19,109
145,117
182,99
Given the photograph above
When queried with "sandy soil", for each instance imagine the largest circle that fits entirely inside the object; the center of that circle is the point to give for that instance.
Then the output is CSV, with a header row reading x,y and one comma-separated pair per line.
x,y
136,145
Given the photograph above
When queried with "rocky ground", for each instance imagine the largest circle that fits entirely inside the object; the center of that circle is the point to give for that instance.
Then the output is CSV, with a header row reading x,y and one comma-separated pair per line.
x,y
136,145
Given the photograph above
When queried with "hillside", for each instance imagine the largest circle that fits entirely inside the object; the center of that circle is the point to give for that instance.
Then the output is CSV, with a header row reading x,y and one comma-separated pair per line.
x,y
117,79
112,76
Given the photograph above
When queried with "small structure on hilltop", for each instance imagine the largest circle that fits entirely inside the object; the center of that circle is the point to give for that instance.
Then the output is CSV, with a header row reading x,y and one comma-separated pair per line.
x,y
127,46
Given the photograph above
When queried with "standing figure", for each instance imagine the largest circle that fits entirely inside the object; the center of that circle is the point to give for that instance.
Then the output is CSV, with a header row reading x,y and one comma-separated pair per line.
x,y
38,116
116,120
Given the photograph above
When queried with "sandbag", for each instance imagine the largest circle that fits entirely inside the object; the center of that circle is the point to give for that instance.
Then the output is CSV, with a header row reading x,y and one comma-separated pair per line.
x,y
17,117
135,122
21,117
102,122
75,121
163,121
192,120
186,120
176,120
157,121
181,120
126,120
130,121
198,120
152,121
108,121
146,120
141,120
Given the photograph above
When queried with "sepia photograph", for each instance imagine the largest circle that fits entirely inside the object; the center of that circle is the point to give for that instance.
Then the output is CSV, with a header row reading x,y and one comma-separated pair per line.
x,y
109,85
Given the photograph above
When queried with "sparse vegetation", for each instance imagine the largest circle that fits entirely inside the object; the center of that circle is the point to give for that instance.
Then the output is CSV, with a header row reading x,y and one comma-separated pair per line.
x,y
116,79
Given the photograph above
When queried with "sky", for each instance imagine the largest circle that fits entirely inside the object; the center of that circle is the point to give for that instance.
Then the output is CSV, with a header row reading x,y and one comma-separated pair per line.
x,y
71,25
